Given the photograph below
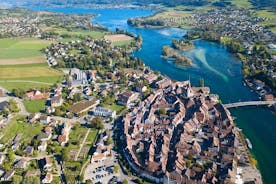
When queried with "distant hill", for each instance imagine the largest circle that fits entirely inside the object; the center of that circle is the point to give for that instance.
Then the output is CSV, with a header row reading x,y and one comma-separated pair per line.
x,y
270,4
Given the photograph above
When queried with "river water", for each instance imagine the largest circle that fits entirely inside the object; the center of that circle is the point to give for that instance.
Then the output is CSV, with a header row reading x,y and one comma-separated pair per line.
x,y
220,70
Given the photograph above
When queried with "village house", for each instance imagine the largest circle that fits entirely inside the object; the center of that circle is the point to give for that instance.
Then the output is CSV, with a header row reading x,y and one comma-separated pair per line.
x,y
64,137
48,164
102,150
48,178
2,158
56,101
29,150
42,146
127,97
33,117
141,88
35,94
8,175
45,119
3,105
21,164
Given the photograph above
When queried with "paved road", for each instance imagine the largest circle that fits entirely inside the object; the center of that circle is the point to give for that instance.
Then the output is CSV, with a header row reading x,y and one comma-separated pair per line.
x,y
26,81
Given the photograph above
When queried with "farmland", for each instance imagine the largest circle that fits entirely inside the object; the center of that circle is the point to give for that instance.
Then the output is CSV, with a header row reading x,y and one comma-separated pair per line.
x,y
21,48
22,64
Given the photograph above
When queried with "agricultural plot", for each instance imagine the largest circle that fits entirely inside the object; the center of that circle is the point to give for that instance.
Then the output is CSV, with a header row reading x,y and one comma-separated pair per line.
x,y
119,39
21,48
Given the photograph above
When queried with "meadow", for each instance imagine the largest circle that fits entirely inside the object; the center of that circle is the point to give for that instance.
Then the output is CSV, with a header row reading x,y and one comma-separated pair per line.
x,y
15,126
19,48
23,64
34,106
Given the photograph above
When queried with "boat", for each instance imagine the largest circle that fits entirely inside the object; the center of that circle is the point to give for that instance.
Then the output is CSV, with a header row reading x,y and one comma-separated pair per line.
x,y
249,145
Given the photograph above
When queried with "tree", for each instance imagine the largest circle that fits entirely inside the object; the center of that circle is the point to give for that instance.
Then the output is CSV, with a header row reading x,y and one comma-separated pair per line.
x,y
89,181
31,180
16,179
201,82
116,168
162,111
97,123
64,154
124,181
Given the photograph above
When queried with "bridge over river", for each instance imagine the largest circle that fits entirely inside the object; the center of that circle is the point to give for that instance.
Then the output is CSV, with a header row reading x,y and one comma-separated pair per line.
x,y
249,103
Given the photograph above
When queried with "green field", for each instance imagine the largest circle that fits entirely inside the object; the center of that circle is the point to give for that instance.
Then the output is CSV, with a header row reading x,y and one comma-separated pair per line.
x,y
34,106
121,43
14,127
92,136
93,34
21,48
28,76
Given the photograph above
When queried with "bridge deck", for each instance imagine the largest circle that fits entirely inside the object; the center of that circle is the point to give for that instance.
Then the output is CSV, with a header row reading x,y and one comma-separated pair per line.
x,y
249,103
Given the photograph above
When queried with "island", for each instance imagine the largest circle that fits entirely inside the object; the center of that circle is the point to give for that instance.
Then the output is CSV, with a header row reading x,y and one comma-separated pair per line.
x,y
177,57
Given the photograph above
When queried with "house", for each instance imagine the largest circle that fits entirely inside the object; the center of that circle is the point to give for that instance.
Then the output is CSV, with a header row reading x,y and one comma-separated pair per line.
x,y
8,175
151,77
48,178
163,83
259,84
56,101
48,163
42,146
83,106
102,151
104,112
29,150
44,136
35,94
2,158
21,164
141,88
3,105
64,137
45,119
126,98
50,110
33,117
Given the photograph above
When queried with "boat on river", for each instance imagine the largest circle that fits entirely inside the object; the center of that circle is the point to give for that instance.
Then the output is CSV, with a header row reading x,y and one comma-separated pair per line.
x,y
249,145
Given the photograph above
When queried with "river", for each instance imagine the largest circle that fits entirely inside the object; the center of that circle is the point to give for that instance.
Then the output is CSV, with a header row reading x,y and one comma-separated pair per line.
x,y
220,70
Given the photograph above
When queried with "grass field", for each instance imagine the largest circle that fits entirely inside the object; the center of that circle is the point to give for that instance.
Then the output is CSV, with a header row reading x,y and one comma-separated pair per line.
x,y
93,34
92,136
14,127
28,76
21,48
34,106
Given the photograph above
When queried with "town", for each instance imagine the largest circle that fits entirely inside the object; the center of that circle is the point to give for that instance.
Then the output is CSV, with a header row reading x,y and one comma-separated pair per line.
x,y
108,118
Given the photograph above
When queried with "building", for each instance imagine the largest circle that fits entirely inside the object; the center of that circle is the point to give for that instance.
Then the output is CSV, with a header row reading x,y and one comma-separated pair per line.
x,y
126,98
35,94
45,119
104,112
3,105
42,146
21,164
48,164
33,117
48,178
8,175
64,137
163,83
56,101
